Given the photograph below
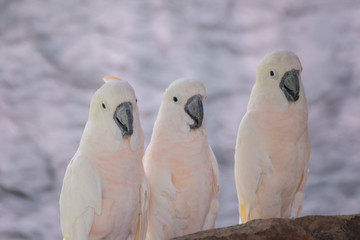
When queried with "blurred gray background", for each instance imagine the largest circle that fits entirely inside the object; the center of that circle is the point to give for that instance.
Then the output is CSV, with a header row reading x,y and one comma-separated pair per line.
x,y
53,55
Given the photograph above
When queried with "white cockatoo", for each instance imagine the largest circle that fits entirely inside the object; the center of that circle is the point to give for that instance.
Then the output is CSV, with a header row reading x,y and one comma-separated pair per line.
x,y
273,145
180,166
105,193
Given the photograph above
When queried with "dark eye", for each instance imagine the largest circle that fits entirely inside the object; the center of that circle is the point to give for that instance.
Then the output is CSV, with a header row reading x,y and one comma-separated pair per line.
x,y
136,100
175,99
272,73
103,105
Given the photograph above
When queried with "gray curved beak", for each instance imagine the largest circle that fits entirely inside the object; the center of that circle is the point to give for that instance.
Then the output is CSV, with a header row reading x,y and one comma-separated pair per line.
x,y
123,117
194,107
290,85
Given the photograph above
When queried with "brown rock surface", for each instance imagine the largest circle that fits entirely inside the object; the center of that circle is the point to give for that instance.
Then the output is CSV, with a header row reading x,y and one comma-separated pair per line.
x,y
304,228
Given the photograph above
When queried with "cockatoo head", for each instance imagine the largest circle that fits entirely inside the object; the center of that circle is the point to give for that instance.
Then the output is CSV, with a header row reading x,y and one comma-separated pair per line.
x,y
279,73
182,106
114,111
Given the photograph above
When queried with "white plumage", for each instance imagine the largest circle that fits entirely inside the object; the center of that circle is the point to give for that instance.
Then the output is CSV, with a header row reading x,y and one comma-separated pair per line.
x,y
105,192
273,145
180,165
